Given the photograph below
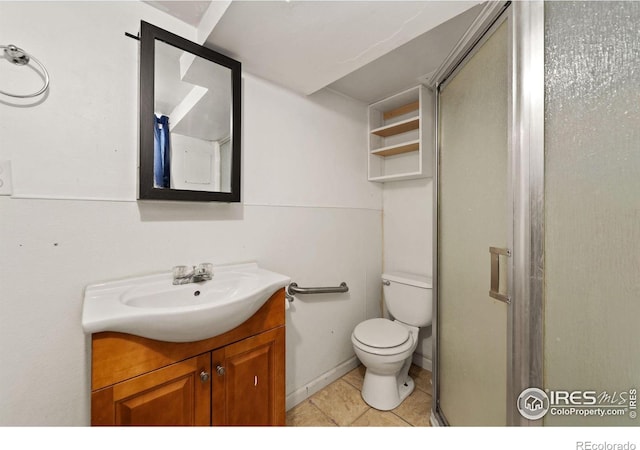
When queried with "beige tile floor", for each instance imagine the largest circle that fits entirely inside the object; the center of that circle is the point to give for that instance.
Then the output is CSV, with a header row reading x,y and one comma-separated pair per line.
x,y
340,404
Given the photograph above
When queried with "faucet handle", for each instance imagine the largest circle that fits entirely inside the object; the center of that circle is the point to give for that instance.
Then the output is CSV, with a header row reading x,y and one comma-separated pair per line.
x,y
182,272
204,269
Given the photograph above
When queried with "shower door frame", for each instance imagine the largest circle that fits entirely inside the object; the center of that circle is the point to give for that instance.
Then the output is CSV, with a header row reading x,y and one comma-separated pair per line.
x,y
525,195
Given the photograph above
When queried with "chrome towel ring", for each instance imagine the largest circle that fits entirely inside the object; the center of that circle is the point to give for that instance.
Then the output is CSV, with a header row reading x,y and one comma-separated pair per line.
x,y
19,57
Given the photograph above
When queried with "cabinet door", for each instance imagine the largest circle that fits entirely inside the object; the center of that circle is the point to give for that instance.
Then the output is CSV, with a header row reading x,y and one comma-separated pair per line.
x,y
249,381
179,394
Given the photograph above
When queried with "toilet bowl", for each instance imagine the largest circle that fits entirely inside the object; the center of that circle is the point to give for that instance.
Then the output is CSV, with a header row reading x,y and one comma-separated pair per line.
x,y
386,353
385,347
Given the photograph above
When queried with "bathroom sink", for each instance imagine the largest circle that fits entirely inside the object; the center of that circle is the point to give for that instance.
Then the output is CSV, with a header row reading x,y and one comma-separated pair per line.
x,y
153,307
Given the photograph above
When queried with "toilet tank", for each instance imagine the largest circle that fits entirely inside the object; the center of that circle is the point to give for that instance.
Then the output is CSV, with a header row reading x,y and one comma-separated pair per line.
x,y
408,297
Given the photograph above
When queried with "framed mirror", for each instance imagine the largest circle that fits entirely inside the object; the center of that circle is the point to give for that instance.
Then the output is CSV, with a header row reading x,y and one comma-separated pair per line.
x,y
189,120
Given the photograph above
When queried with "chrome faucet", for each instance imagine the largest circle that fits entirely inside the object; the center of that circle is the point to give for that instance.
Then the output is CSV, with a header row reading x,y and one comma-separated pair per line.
x,y
193,274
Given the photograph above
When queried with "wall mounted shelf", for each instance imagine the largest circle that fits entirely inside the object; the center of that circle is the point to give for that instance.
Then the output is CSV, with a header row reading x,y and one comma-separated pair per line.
x,y
397,149
401,136
398,128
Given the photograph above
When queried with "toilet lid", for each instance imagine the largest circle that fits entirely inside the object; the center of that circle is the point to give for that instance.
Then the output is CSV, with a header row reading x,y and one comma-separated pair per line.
x,y
381,333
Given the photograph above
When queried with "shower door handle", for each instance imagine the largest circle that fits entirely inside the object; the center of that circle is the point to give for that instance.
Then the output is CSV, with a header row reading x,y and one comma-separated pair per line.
x,y
494,290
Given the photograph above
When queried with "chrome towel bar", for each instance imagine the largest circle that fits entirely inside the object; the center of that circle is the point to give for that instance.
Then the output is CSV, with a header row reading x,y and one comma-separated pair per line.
x,y
294,289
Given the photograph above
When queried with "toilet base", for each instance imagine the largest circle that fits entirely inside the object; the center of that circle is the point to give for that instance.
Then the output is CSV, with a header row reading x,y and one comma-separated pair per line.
x,y
406,389
385,392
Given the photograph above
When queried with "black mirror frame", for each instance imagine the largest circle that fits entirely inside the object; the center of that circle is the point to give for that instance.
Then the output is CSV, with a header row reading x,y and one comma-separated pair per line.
x,y
146,190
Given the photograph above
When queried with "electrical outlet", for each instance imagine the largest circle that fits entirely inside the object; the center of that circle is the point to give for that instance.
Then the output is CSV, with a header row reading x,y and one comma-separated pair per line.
x,y
6,185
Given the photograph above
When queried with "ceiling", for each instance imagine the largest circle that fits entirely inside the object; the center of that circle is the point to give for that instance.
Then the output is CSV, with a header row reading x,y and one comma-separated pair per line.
x,y
364,49
188,11
408,65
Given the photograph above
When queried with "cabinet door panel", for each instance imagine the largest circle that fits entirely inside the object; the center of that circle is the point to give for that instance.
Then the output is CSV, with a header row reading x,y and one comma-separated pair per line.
x,y
174,395
249,392
250,387
168,404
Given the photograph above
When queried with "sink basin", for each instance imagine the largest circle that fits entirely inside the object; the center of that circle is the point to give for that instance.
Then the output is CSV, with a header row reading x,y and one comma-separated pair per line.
x,y
152,307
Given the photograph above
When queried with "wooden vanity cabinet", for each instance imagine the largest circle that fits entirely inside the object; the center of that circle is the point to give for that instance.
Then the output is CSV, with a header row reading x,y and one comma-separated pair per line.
x,y
237,378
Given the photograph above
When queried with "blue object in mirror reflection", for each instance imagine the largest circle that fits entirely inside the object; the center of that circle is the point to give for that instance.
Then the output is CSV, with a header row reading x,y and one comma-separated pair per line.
x,y
162,152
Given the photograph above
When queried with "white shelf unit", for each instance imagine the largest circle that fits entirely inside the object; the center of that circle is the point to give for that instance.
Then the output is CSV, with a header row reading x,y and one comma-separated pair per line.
x,y
401,135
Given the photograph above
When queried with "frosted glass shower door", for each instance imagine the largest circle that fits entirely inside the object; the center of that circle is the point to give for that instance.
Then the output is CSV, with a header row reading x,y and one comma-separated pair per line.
x,y
592,205
472,217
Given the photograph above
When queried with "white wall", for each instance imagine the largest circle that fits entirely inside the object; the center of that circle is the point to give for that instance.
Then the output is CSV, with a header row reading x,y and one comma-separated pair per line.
x,y
408,232
307,209
195,164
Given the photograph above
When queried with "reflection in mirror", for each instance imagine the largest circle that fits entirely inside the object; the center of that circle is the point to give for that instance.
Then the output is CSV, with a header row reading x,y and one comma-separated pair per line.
x,y
192,113
189,120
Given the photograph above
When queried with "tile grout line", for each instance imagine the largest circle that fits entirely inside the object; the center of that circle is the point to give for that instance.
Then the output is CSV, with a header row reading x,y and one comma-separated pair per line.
x,y
356,419
331,419
324,413
403,419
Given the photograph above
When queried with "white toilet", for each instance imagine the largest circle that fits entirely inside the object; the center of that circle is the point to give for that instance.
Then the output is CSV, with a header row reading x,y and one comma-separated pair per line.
x,y
385,347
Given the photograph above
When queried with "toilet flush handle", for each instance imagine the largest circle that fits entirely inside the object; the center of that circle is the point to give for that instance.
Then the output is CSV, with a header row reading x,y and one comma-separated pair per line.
x,y
386,282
